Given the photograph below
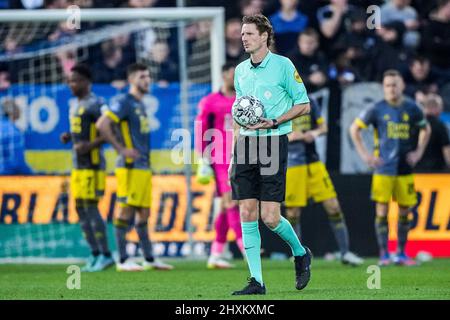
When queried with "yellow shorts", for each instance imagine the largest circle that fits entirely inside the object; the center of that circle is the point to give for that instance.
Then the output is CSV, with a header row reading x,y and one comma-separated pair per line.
x,y
134,187
400,188
308,181
87,184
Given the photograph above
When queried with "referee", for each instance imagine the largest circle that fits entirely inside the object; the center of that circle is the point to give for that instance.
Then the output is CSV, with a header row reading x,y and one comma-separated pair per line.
x,y
258,169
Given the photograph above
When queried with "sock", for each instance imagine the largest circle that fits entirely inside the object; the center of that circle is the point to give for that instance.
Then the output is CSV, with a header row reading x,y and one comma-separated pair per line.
x,y
402,233
295,222
217,248
121,229
98,224
382,231
234,221
88,232
144,241
252,245
287,233
340,231
221,227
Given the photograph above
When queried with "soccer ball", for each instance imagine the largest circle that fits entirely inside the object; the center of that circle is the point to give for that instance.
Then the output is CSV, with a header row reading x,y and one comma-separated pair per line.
x,y
247,111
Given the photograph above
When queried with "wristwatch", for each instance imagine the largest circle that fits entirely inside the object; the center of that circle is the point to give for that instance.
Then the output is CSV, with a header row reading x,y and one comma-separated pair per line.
x,y
275,124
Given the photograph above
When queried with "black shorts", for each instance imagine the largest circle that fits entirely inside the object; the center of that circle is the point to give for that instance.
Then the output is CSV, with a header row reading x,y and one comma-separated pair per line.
x,y
259,168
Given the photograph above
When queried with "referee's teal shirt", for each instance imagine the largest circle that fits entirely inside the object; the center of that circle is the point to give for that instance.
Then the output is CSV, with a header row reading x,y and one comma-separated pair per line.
x,y
276,83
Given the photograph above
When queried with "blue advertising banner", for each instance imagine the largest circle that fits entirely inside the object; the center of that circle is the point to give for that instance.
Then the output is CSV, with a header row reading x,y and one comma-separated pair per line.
x,y
45,111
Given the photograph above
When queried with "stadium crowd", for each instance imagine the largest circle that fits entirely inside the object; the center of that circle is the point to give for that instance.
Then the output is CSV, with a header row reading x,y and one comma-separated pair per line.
x,y
331,43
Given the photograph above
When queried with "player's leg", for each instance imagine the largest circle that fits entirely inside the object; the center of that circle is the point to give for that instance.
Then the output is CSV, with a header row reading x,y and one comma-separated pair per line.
x,y
141,226
273,193
405,195
218,245
228,211
81,191
98,225
382,192
88,233
248,209
122,224
245,186
340,231
293,216
382,232
234,221
124,220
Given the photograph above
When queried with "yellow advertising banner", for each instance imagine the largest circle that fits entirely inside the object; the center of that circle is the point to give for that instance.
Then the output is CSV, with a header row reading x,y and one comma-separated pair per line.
x,y
34,199
431,218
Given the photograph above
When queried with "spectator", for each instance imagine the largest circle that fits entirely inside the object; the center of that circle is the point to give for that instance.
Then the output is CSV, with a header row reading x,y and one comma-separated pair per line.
x,y
111,69
342,69
5,81
436,36
420,77
309,61
141,3
163,69
287,23
388,52
436,157
400,10
249,7
62,204
333,19
64,30
12,143
128,48
234,51
55,4
67,59
26,4
357,44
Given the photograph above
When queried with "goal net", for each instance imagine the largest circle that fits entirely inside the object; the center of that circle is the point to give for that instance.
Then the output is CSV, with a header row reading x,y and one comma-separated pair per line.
x,y
183,48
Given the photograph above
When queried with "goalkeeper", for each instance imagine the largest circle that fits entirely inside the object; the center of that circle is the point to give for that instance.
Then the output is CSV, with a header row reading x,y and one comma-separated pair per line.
x,y
215,114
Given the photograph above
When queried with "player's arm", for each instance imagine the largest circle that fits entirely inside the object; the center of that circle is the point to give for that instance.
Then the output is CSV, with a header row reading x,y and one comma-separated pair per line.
x,y
355,133
201,126
65,137
104,126
424,136
329,26
84,147
311,135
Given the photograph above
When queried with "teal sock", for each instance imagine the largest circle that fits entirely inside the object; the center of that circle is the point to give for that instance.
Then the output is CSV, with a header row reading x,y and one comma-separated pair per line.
x,y
286,232
252,245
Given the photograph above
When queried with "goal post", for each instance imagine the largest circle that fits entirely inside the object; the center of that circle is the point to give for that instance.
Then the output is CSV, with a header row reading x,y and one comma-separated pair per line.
x,y
39,89
215,14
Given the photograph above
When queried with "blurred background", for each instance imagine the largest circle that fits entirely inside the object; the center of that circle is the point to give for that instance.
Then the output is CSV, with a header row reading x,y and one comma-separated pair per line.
x,y
341,64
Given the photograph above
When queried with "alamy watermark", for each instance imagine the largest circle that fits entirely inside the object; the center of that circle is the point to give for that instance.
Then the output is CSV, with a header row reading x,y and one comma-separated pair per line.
x,y
262,150
374,20
73,281
374,280
74,20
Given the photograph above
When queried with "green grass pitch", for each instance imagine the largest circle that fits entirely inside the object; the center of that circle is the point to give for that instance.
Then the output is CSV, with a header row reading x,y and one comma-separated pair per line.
x,y
192,281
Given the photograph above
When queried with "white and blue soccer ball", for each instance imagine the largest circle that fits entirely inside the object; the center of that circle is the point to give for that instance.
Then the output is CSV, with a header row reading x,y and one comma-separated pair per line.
x,y
247,111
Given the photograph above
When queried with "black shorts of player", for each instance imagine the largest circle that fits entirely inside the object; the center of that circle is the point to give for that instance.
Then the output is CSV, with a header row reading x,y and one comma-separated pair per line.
x,y
259,168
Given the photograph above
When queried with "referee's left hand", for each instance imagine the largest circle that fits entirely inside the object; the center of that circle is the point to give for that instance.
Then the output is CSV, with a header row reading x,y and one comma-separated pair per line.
x,y
263,124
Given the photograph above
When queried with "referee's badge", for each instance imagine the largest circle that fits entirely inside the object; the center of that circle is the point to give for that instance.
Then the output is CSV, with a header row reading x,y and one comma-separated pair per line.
x,y
297,77
267,94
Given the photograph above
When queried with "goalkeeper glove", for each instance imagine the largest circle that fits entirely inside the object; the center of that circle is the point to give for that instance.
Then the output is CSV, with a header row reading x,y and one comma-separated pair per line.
x,y
204,172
